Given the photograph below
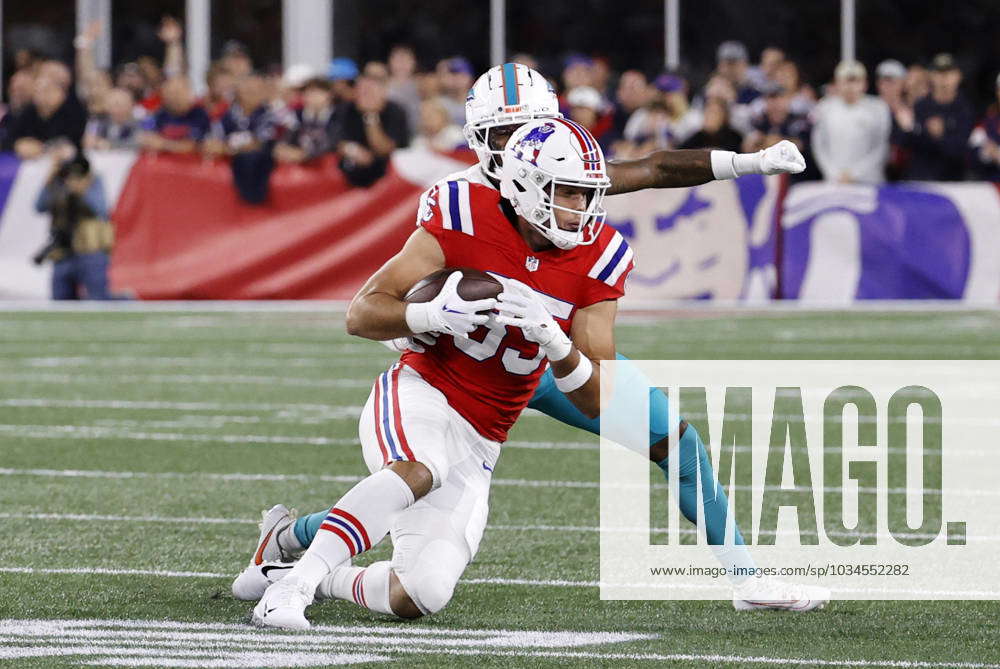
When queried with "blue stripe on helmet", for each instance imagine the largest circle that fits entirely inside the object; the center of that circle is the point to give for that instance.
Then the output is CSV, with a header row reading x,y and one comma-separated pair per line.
x,y
511,96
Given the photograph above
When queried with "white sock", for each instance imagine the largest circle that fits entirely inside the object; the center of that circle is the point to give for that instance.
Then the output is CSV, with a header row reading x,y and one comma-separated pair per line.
x,y
356,523
735,558
365,586
288,542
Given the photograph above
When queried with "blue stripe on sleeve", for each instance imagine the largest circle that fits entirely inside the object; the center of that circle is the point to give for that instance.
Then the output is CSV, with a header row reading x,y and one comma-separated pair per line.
x,y
453,210
615,259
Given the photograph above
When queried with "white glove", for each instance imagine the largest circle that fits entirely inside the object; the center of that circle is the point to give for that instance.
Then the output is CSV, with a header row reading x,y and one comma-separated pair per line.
x,y
417,342
783,157
448,312
520,306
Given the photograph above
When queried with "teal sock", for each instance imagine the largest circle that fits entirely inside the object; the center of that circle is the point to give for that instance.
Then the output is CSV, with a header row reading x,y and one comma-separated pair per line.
x,y
694,458
306,527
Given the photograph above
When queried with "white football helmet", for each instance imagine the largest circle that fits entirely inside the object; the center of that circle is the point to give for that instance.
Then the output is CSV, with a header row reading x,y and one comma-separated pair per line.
x,y
547,153
504,95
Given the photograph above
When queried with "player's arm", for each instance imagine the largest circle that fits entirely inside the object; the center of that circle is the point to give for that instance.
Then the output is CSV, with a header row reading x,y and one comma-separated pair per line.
x,y
693,167
593,338
661,169
379,312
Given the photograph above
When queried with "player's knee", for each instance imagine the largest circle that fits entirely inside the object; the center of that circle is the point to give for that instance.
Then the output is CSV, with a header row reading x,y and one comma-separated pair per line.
x,y
428,574
431,594
416,475
693,455
658,452
434,592
400,601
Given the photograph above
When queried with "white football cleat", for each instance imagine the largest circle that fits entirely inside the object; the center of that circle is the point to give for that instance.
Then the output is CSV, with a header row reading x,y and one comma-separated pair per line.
x,y
273,522
770,594
255,579
252,581
284,604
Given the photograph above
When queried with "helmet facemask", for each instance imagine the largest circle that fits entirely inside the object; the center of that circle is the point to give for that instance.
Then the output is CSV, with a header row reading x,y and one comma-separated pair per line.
x,y
478,138
543,216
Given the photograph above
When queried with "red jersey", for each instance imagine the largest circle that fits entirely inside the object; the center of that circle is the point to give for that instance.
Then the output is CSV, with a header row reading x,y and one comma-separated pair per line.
x,y
490,377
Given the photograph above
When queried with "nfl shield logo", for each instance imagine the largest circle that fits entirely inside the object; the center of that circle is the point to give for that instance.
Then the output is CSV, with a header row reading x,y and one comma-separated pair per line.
x,y
531,263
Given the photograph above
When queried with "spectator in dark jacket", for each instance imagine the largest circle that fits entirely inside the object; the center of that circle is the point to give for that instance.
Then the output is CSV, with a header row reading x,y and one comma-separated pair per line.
x,y
633,93
776,122
312,135
180,125
118,127
890,83
19,92
53,116
986,142
248,124
938,130
715,133
371,129
247,132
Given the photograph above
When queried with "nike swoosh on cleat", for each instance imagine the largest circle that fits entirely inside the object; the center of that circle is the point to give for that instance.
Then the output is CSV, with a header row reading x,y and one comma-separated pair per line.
x,y
259,557
271,567
489,469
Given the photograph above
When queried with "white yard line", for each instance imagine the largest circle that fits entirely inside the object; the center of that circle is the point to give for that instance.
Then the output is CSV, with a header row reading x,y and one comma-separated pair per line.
x,y
339,306
213,379
723,589
586,529
98,432
150,643
99,349
110,430
517,483
45,403
174,306
106,433
247,361
331,656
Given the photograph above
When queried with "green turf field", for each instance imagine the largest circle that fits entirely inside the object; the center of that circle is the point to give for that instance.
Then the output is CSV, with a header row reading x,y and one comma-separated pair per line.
x,y
138,448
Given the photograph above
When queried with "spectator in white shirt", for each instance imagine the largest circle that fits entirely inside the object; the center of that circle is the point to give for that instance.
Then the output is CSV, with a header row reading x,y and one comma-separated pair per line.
x,y
850,137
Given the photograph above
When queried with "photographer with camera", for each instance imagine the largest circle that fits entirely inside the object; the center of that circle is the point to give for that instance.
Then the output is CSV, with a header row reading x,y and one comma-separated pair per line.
x,y
81,235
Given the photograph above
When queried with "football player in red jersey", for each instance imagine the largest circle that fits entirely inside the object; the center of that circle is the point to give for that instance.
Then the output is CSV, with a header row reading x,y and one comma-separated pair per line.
x,y
500,102
433,424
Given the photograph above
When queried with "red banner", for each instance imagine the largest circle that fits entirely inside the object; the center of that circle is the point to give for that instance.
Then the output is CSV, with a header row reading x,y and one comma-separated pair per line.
x,y
182,232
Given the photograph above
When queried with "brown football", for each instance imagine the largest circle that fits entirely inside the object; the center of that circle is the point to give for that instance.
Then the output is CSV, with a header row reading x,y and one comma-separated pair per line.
x,y
475,285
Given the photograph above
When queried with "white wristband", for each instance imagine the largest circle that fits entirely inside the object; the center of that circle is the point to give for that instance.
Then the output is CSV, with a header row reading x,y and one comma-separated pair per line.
x,y
722,165
579,376
729,165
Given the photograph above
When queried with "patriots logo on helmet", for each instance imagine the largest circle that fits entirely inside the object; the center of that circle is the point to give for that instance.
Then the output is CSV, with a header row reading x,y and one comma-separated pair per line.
x,y
531,144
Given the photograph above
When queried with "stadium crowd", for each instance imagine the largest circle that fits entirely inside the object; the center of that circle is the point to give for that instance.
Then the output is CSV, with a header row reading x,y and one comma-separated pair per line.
x,y
915,124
